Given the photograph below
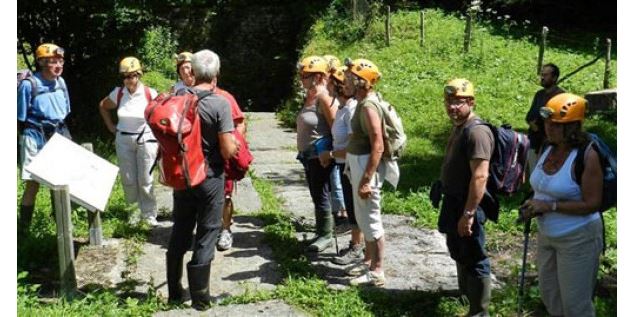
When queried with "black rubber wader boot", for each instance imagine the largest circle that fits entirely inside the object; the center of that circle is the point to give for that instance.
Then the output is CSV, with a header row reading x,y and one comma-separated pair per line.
x,y
198,278
479,291
24,223
324,230
175,273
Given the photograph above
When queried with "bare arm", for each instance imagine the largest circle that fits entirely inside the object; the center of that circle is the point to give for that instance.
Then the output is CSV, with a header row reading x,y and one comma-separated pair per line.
x,y
227,144
325,102
478,184
240,126
375,134
105,106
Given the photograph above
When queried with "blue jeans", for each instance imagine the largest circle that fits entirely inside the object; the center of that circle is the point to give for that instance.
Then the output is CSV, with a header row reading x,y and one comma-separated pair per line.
x,y
337,195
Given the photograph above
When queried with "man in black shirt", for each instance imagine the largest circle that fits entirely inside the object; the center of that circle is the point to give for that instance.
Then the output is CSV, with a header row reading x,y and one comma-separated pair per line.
x,y
548,80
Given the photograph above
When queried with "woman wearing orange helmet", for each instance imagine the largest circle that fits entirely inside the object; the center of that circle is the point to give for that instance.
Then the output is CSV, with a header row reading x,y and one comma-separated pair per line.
x,y
134,142
314,123
569,224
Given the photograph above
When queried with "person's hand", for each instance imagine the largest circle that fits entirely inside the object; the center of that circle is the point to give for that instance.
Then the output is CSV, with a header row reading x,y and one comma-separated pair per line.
x,y
364,190
464,227
533,208
325,158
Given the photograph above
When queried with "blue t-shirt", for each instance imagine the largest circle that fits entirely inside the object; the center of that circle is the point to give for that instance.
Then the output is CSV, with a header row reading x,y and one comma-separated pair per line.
x,y
50,104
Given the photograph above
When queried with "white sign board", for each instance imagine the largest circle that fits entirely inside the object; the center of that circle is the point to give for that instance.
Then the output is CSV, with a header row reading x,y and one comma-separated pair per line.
x,y
88,176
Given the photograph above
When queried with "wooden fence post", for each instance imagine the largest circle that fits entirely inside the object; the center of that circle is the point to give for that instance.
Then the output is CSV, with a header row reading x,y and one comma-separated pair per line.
x,y
387,25
468,31
65,251
421,27
95,234
354,9
541,50
607,65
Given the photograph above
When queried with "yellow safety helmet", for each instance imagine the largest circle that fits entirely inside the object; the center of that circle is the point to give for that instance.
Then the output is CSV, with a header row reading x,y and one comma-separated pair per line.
x,y
338,73
313,64
459,87
333,62
183,57
564,108
364,69
48,50
130,65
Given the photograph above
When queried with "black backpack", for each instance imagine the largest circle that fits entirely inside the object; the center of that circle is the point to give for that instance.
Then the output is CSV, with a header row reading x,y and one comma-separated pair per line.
x,y
506,166
608,163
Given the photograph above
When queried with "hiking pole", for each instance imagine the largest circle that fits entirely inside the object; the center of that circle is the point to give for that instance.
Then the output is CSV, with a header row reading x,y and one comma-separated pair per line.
x,y
524,266
337,247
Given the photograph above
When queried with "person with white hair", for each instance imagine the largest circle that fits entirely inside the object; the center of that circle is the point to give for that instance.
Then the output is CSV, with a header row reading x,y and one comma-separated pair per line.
x,y
201,205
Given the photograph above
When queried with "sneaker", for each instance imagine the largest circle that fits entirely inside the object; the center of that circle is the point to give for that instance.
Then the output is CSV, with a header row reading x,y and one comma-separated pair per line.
x,y
152,221
352,254
225,241
370,278
357,269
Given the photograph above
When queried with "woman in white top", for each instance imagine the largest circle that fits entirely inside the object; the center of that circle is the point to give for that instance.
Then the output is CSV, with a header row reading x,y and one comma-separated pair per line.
x,y
134,142
569,224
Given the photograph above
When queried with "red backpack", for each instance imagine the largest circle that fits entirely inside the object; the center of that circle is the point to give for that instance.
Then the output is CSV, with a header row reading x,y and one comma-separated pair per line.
x,y
176,125
236,167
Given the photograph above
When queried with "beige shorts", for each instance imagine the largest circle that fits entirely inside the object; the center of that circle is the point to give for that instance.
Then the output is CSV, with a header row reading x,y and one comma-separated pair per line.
x,y
367,211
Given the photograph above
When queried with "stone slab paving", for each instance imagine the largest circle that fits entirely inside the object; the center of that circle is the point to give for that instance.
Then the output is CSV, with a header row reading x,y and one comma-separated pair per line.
x,y
416,259
263,309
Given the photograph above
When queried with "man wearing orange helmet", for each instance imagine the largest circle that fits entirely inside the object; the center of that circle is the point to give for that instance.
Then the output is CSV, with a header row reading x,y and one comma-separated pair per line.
x,y
464,176
43,104
569,224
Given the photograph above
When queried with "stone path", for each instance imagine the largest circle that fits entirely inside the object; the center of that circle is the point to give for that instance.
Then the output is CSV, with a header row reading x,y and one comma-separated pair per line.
x,y
416,259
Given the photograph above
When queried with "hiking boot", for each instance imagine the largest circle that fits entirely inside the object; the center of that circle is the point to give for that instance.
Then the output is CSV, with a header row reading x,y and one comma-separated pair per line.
x,y
225,241
357,269
353,254
371,278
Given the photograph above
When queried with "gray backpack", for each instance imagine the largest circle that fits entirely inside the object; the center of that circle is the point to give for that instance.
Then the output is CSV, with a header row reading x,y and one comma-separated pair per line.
x,y
392,126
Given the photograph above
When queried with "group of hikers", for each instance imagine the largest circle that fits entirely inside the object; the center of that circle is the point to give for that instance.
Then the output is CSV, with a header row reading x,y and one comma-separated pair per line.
x,y
341,145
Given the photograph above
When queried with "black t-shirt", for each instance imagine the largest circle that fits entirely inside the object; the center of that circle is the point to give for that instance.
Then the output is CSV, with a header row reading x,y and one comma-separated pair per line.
x,y
536,138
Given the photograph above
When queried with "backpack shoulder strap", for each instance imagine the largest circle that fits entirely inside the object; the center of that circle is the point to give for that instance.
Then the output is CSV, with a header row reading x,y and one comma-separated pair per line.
x,y
148,93
579,161
119,95
62,84
34,90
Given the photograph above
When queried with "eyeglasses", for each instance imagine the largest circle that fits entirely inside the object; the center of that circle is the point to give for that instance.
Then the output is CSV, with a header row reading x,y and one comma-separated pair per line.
x,y
130,76
455,102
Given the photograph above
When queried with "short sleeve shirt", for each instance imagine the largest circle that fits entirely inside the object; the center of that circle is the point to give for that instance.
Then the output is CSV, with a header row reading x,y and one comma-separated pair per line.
x,y
215,114
51,103
341,128
131,108
460,150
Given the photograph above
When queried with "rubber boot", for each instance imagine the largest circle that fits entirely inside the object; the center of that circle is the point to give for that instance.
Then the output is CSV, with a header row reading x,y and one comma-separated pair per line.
x,y
198,278
26,216
325,233
174,274
479,292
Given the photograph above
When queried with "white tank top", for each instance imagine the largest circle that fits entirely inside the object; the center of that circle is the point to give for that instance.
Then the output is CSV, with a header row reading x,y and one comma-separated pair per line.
x,y
559,186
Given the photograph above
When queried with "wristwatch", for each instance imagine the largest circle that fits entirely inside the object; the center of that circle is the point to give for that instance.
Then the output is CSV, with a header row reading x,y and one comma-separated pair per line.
x,y
469,214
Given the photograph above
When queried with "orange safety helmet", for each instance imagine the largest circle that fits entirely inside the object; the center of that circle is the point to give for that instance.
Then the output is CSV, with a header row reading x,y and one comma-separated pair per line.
x,y
313,64
564,107
48,50
459,87
338,73
183,57
333,62
364,69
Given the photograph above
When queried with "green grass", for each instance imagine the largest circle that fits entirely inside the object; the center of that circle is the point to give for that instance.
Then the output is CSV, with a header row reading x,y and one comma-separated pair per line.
x,y
502,65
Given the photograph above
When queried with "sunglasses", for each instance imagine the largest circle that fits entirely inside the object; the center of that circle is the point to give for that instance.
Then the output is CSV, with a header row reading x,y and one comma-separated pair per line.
x,y
130,76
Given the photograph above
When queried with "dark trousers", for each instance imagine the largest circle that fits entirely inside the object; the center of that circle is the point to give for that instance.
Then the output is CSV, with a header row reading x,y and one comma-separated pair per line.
x,y
347,190
319,184
201,206
469,252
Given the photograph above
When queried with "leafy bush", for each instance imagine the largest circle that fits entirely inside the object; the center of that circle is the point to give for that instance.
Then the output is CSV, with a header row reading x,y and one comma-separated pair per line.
x,y
158,47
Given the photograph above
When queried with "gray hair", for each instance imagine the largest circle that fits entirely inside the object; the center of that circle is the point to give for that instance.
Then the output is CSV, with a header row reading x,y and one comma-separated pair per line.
x,y
205,65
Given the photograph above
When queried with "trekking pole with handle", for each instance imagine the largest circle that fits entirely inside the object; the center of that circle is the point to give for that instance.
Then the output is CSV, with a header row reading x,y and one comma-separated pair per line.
x,y
337,247
521,287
